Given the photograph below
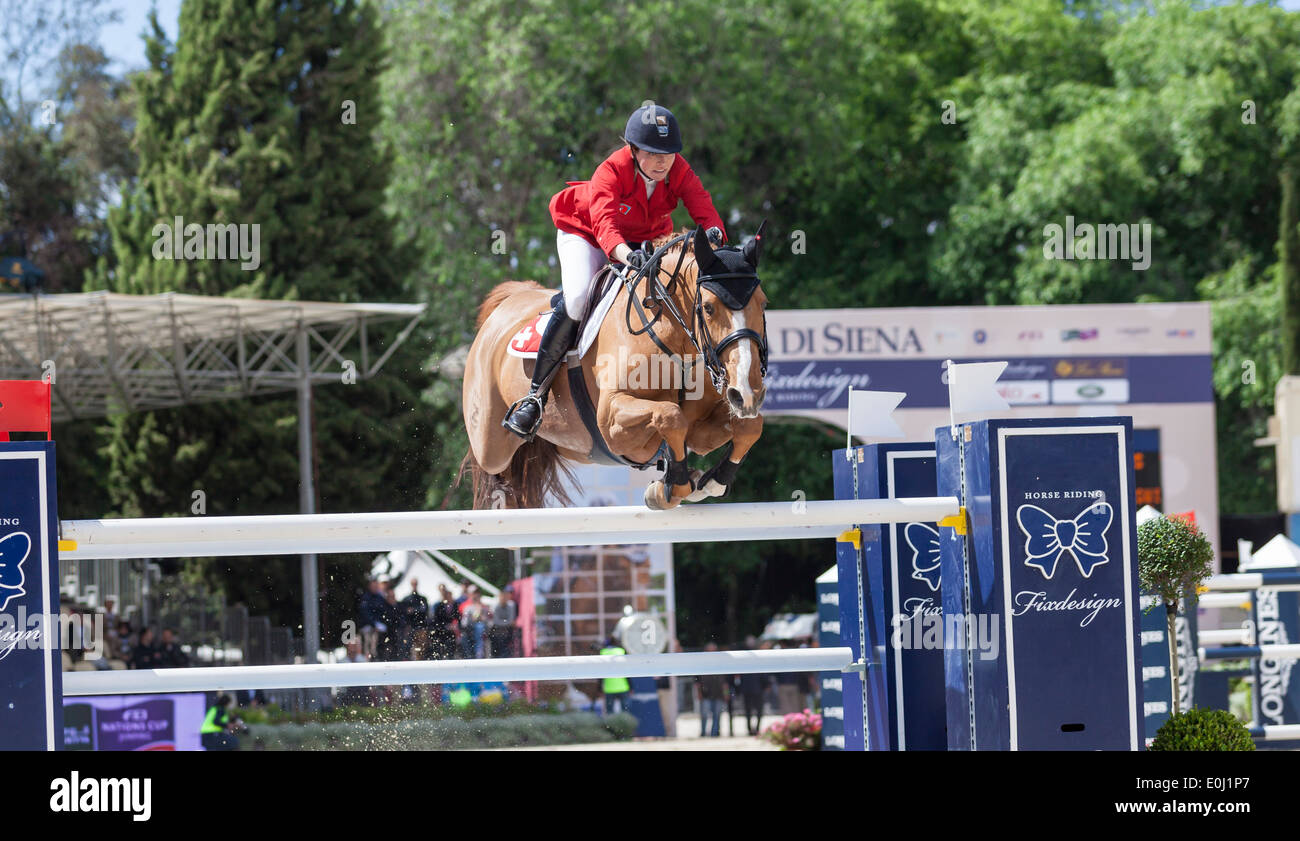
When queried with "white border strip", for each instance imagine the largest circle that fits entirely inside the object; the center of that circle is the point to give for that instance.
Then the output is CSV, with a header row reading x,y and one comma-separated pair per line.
x,y
1118,431
890,457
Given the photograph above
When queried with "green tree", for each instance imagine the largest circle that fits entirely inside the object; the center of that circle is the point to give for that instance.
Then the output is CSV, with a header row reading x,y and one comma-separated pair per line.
x,y
1187,128
1174,557
268,114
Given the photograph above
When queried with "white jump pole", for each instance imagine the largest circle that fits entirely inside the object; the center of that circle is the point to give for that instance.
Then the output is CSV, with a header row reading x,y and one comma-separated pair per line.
x,y
1282,580
1286,651
296,534
1276,732
149,681
1226,636
1239,601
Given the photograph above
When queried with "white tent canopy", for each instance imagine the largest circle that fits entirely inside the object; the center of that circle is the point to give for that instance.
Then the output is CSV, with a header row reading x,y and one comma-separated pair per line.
x,y
430,568
1278,553
789,626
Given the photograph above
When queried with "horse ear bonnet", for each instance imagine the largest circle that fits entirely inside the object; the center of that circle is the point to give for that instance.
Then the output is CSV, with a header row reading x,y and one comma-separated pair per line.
x,y
738,278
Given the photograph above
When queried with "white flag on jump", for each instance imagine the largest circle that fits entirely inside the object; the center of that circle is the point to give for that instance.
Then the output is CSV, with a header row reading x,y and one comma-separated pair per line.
x,y
871,413
972,387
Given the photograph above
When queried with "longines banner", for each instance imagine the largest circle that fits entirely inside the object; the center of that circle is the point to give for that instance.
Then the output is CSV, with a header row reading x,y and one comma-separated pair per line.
x,y
1150,361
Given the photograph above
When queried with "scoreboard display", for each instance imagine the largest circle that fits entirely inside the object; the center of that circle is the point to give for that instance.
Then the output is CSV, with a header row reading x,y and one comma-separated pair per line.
x,y
1146,467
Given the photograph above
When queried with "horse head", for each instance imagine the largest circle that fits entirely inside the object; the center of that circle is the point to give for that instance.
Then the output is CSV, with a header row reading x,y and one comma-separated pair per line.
x,y
730,321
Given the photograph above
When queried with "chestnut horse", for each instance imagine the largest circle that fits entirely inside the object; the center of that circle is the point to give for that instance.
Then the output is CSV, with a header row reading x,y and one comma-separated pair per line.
x,y
677,367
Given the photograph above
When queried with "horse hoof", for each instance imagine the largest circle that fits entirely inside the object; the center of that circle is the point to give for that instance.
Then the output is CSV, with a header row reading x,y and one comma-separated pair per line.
x,y
654,499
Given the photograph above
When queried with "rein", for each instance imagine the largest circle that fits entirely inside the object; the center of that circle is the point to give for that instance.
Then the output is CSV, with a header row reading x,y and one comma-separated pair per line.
x,y
698,329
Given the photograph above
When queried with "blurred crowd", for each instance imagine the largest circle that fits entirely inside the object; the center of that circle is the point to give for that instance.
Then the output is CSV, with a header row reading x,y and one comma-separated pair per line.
x,y
464,626
122,645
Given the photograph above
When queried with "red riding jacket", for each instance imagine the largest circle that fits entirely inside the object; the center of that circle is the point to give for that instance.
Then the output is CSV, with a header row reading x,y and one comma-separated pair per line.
x,y
612,206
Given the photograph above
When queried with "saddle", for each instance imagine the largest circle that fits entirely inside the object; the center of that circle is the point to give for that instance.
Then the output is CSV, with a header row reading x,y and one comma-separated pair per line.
x,y
525,343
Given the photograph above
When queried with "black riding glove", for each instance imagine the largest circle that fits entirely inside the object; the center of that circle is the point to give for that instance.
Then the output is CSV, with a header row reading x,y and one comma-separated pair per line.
x,y
637,259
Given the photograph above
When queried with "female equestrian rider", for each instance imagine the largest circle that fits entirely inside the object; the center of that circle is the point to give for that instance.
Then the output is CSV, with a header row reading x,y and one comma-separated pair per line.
x,y
628,200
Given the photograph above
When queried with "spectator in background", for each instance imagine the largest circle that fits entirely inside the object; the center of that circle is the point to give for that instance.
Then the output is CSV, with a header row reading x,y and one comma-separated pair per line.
x,y
68,618
665,687
170,655
711,692
218,730
809,684
473,625
110,611
415,611
465,587
789,692
144,654
92,646
370,616
752,689
110,642
393,643
122,642
445,623
769,694
353,695
615,689
501,636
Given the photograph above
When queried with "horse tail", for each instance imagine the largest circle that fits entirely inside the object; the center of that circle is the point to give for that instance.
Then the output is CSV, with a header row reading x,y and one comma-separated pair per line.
x,y
536,472
497,295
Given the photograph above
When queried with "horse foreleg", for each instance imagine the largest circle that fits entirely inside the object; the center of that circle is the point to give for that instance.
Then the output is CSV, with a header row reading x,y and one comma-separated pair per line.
x,y
630,418
719,478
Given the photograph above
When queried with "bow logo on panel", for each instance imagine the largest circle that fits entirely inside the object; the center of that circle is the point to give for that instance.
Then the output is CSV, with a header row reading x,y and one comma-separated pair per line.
x,y
1047,538
924,541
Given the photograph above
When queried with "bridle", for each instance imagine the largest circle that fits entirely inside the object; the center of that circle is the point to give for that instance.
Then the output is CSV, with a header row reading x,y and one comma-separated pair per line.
x,y
697,331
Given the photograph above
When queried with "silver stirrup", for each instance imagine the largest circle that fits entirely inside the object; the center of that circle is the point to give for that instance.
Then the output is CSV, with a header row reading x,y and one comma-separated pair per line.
x,y
527,433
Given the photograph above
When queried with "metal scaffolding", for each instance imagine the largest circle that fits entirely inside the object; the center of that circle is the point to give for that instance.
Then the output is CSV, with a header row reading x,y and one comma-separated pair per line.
x,y
108,353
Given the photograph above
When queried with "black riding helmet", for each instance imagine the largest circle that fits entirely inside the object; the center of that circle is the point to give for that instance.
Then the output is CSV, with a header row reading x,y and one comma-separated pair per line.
x,y
654,129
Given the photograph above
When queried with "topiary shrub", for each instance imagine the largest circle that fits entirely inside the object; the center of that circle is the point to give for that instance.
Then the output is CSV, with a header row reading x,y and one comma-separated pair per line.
x,y
1174,557
1201,729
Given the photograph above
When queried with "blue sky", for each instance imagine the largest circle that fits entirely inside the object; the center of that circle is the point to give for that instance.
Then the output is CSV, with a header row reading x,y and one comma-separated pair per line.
x,y
124,46
122,41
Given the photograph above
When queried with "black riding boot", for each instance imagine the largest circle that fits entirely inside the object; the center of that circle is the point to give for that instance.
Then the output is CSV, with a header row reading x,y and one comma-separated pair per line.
x,y
525,414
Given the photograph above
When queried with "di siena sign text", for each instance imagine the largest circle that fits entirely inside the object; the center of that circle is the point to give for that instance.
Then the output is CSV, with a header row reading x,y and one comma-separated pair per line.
x,y
854,339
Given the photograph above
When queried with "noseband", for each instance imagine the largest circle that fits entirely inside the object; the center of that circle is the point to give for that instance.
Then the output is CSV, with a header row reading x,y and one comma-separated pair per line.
x,y
713,352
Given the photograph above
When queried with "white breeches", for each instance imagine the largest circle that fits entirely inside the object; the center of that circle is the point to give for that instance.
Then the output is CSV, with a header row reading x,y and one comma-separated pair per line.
x,y
579,262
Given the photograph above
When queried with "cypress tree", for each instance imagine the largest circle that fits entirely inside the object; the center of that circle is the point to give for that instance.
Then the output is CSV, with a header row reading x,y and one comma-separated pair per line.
x,y
266,114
